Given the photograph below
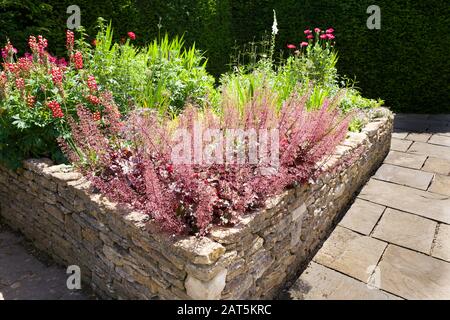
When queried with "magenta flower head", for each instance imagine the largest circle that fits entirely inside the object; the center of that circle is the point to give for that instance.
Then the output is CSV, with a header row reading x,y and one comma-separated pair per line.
x,y
291,46
330,36
304,44
330,30
307,31
310,36
131,35
323,36
317,30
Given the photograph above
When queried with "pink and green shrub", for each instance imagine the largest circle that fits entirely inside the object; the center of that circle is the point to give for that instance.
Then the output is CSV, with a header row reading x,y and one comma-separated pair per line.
x,y
132,163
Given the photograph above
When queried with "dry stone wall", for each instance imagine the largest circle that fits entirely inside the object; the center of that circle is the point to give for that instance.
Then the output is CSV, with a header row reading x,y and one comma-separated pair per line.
x,y
122,255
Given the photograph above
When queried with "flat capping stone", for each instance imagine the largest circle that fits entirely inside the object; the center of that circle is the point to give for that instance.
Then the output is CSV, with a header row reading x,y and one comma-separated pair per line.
x,y
197,250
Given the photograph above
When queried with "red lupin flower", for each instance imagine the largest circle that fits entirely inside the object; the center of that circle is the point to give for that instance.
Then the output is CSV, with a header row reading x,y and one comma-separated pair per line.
x,y
32,43
57,76
70,39
96,116
131,35
93,99
78,60
20,84
56,109
31,100
92,84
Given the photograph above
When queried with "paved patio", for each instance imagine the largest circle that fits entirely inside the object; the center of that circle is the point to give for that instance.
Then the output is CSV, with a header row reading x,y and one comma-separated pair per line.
x,y
394,241
27,275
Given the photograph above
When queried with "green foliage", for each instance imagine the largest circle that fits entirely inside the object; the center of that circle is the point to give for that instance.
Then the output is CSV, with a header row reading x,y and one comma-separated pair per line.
x,y
356,125
164,74
311,68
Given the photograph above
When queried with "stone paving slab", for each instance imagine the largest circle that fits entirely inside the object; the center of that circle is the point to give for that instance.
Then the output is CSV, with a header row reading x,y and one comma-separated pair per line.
x,y
437,165
350,253
24,277
406,230
404,159
399,135
422,137
426,204
362,216
440,184
404,176
440,139
441,247
400,145
319,282
432,150
413,275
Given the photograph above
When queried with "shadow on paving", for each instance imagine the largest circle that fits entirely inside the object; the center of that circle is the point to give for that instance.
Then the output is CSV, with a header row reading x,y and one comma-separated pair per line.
x,y
27,274
437,123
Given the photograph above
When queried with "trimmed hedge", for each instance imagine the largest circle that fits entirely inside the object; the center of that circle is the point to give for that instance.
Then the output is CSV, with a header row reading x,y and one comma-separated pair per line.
x,y
404,63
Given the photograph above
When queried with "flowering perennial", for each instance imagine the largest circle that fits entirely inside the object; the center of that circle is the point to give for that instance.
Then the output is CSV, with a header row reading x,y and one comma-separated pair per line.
x,y
56,109
137,167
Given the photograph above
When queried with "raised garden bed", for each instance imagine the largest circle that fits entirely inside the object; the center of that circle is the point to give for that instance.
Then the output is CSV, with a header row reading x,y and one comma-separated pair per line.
x,y
122,255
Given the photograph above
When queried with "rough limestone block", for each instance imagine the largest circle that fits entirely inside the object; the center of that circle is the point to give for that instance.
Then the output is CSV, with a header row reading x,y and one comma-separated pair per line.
x,y
206,290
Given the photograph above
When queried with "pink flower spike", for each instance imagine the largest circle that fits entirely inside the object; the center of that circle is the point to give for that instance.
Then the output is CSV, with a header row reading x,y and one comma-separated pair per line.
x,y
317,30
70,39
310,36
131,35
307,31
291,46
304,44
330,30
323,36
78,59
330,36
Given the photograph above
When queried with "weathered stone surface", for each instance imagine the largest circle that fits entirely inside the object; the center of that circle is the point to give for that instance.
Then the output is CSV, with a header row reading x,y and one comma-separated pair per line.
x,y
441,247
67,176
404,176
413,275
207,272
422,137
362,216
206,290
318,283
399,135
406,230
440,184
437,165
403,159
400,145
430,150
440,139
426,204
200,250
350,253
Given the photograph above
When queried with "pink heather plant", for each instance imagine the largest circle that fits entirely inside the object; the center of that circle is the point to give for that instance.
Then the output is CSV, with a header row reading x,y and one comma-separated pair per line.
x,y
132,163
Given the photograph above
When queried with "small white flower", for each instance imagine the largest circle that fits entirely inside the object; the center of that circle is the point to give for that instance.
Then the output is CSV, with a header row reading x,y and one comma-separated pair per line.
x,y
275,24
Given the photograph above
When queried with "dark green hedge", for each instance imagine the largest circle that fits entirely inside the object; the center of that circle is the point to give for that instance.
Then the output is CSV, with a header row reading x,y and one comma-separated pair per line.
x,y
404,63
